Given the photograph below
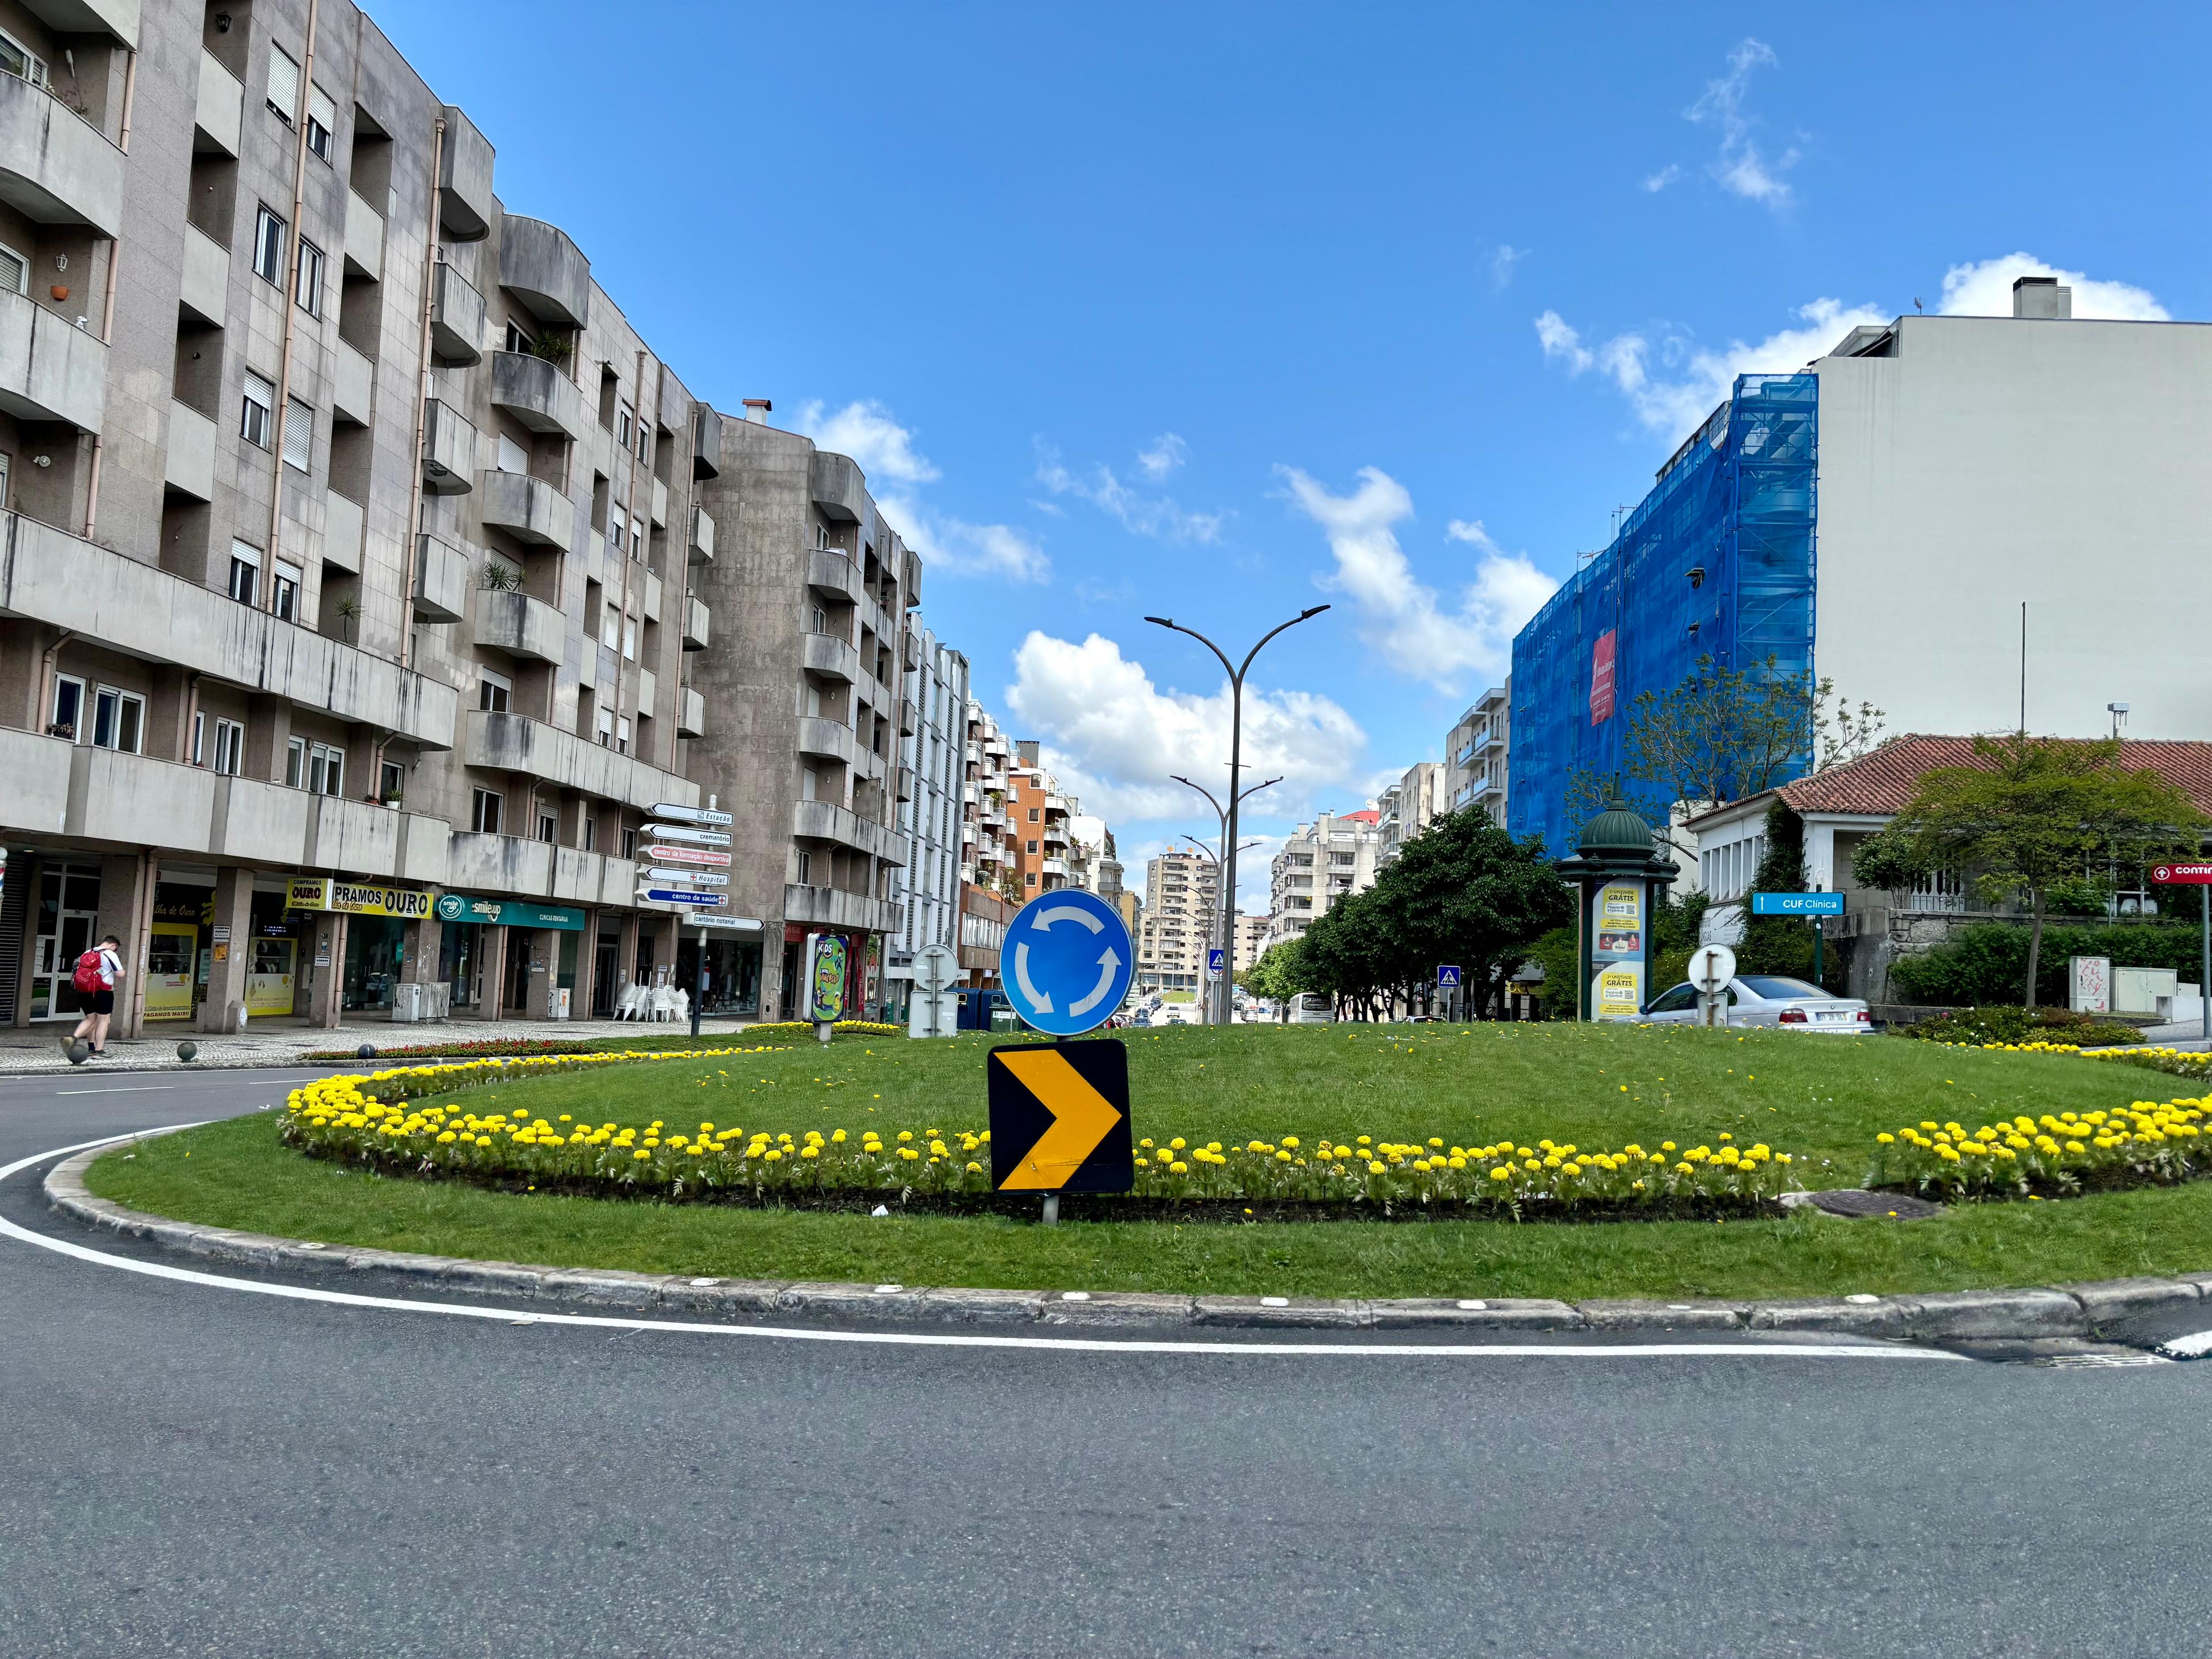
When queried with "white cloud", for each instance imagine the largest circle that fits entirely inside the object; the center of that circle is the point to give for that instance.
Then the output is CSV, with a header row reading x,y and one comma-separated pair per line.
x,y
1471,530
1985,290
1113,737
1167,451
1401,618
1702,376
866,431
1658,181
1740,168
1503,264
886,451
1157,516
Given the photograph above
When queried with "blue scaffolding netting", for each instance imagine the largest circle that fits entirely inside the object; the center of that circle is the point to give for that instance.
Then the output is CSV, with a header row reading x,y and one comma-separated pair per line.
x,y
1717,562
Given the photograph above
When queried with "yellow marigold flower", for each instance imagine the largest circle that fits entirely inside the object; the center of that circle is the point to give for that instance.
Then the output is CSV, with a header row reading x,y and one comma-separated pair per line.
x,y
1375,1166
975,1169
1666,1146
1531,1164
1177,1144
1459,1163
1178,1168
905,1135
909,1154
1282,1157
811,1151
775,1155
1434,1141
1886,1140
1291,1141
641,1154
1684,1168
1501,1173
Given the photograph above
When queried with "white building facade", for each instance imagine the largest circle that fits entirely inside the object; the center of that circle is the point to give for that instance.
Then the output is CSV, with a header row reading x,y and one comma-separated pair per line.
x,y
929,888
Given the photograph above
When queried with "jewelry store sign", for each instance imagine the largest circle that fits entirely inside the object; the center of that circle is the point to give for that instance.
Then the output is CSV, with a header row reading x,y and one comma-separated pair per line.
x,y
356,898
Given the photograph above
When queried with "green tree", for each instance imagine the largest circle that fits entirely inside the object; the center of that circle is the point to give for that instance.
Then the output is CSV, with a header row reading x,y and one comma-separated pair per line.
x,y
1465,891
2037,816
1278,975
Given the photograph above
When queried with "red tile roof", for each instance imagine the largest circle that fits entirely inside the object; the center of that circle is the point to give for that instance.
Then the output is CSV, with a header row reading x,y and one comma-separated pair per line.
x,y
1368,815
1880,783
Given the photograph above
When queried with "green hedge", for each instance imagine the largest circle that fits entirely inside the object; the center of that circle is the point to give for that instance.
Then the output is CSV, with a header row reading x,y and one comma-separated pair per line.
x,y
1987,962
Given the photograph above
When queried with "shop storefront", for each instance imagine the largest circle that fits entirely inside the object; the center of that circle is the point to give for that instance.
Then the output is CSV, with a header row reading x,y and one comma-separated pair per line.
x,y
464,951
734,973
377,915
68,916
178,948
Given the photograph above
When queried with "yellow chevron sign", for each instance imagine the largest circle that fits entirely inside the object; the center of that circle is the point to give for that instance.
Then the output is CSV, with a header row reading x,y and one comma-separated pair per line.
x,y
1059,1118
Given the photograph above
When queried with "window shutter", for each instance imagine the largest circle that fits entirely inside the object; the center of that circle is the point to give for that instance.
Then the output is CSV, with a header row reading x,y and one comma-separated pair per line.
x,y
283,84
320,109
299,434
14,272
245,553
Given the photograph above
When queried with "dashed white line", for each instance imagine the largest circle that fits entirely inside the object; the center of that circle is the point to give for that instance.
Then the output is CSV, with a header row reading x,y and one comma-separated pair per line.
x,y
939,1339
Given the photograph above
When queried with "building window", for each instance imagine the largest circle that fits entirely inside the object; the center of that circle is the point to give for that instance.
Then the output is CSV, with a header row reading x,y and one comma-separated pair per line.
x,y
492,692
512,456
485,821
257,411
611,626
322,116
629,843
637,538
69,707
229,747
245,573
588,830
518,340
307,279
391,781
1031,879
14,272
629,638
1033,818
806,868
317,767
298,435
621,737
268,247
284,592
549,827
283,84
1033,847
118,719
624,420
604,728
20,61
615,534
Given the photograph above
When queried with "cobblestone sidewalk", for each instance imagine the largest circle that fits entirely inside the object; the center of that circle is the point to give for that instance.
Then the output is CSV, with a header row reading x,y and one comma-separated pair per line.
x,y
39,1049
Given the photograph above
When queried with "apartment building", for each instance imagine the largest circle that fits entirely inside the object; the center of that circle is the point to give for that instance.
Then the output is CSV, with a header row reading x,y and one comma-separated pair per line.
x,y
1475,752
347,523
1251,939
808,700
1409,806
990,880
928,888
1335,855
1177,922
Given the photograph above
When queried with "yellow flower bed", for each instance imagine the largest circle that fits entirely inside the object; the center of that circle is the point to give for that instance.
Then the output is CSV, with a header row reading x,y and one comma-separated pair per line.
x,y
2059,1153
369,1116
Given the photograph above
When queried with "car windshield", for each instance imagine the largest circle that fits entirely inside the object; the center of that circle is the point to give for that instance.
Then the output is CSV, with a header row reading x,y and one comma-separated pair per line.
x,y
1772,988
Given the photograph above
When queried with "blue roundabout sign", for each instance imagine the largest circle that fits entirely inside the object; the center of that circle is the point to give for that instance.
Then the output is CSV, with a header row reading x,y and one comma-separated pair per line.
x,y
1066,961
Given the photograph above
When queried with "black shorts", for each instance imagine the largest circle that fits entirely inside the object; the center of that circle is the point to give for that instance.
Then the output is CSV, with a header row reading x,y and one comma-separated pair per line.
x,y
101,1001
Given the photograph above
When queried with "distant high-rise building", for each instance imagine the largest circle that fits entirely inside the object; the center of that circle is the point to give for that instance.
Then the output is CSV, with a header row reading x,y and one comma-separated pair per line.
x,y
1323,861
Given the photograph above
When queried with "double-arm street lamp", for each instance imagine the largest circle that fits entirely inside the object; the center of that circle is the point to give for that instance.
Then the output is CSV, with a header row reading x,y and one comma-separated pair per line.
x,y
1236,749
1224,921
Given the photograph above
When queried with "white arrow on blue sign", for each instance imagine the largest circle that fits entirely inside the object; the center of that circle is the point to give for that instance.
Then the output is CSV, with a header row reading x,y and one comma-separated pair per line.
x,y
1214,960
1071,962
678,896
1447,973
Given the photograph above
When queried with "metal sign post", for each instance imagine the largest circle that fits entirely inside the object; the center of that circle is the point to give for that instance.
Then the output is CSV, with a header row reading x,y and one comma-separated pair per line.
x,y
1711,968
1811,906
2198,875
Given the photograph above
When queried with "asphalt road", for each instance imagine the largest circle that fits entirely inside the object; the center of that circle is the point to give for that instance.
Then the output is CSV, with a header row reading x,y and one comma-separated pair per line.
x,y
195,1471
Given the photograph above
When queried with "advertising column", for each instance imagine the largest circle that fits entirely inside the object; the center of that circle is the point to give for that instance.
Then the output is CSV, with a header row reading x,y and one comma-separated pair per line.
x,y
1618,936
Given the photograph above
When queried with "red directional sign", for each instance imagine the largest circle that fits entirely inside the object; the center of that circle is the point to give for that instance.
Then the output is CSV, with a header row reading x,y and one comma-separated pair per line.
x,y
2182,875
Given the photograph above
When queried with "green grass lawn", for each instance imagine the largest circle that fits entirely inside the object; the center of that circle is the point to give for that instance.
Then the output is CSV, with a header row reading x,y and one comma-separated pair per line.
x,y
1820,1098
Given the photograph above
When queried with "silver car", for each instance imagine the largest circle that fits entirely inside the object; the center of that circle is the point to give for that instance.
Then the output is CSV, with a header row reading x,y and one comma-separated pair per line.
x,y
1768,1000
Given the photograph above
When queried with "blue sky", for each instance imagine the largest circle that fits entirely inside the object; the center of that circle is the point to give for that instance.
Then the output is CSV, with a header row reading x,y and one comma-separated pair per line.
x,y
1225,311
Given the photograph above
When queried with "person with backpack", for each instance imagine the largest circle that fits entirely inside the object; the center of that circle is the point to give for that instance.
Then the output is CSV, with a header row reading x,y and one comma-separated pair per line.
x,y
97,971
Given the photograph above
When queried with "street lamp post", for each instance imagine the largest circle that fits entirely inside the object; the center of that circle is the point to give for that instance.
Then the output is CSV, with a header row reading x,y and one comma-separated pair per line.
x,y
1236,743
1225,923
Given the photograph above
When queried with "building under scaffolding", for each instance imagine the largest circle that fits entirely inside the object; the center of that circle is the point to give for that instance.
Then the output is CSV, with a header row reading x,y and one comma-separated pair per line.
x,y
1717,562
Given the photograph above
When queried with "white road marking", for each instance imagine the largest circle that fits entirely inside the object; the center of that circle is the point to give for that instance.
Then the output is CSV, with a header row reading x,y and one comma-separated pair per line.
x,y
931,1339
2195,1346
126,1089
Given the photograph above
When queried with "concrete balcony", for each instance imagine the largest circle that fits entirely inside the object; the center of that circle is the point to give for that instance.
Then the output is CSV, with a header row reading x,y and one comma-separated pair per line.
x,y
903,779
841,492
37,768
520,626
696,625
706,443
659,505
365,838
479,863
441,580
701,546
648,693
832,906
830,739
364,239
510,743
648,596
353,383
189,465
219,108
831,657
449,450
537,393
581,877
50,368
1055,867
466,203
822,820
51,576
830,574
529,510
55,168
457,318
206,294
691,713
543,269
117,19
345,522
909,720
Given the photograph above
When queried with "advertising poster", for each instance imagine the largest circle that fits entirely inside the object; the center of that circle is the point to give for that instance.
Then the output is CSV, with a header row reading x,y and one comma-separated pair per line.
x,y
1602,656
1618,929
1617,991
826,985
1618,937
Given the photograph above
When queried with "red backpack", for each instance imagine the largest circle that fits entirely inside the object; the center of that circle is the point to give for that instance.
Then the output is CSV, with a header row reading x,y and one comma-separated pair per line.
x,y
89,976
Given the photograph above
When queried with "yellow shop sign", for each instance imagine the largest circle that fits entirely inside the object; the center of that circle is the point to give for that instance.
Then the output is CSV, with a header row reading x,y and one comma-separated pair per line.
x,y
356,898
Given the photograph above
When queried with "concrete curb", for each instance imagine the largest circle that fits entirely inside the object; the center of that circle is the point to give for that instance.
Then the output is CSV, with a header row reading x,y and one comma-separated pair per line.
x,y
2069,1310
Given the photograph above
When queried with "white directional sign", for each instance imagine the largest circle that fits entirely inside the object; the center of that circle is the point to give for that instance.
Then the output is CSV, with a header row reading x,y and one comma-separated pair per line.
x,y
1071,962
696,838
735,924
696,878
691,814
668,854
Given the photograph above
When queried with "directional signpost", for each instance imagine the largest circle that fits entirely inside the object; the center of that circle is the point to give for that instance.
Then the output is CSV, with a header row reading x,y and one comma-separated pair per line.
x,y
1811,906
683,895
1060,1116
684,836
